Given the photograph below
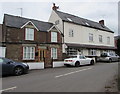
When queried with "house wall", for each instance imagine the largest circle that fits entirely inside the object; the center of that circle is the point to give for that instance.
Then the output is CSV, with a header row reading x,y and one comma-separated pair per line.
x,y
15,39
54,17
14,52
18,35
81,35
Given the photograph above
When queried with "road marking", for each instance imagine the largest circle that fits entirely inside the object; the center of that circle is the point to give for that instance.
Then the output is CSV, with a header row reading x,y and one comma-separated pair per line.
x,y
8,89
72,72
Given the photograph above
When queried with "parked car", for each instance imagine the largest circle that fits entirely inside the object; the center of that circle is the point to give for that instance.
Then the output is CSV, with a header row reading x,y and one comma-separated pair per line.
x,y
109,57
77,60
12,67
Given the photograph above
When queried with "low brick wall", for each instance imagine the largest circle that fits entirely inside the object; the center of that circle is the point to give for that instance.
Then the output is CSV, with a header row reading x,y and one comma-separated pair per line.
x,y
36,65
58,64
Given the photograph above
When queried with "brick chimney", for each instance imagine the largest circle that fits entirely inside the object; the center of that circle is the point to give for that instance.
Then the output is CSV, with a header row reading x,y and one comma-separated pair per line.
x,y
101,22
55,7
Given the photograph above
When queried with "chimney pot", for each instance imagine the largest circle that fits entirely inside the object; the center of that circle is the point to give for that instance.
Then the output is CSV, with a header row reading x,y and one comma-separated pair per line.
x,y
101,22
55,7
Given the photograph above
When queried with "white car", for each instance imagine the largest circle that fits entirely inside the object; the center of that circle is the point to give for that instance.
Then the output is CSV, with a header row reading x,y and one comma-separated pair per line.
x,y
77,60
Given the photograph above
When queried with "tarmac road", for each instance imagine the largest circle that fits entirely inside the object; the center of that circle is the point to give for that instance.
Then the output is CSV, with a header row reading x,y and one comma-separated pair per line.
x,y
66,79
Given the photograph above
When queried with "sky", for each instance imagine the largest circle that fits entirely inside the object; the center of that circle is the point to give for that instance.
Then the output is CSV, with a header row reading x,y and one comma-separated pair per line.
x,y
94,10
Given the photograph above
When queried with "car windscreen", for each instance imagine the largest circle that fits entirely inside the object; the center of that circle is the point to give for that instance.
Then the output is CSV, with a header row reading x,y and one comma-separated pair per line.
x,y
1,60
104,55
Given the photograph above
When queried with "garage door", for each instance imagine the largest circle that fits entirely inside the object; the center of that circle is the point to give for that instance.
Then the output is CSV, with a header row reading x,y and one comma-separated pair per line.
x,y
2,51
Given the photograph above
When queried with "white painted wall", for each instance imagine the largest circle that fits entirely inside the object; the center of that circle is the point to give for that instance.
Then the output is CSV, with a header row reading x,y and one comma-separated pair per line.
x,y
54,17
36,65
81,35
58,64
2,51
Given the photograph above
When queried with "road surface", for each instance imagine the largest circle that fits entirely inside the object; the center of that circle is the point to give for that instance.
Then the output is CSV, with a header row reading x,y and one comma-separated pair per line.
x,y
66,79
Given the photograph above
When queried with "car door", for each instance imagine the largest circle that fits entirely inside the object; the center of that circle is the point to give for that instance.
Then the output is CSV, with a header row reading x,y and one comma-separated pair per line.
x,y
82,60
7,66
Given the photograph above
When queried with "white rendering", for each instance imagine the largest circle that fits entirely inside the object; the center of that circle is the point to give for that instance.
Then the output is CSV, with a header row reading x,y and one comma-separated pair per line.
x,y
2,51
83,36
36,65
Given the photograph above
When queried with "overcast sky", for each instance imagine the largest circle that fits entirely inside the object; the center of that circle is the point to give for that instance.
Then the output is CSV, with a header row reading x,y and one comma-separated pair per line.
x,y
90,9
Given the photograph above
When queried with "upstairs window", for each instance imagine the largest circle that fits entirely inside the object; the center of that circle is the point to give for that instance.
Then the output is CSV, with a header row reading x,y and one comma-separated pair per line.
x,y
53,36
100,38
90,37
108,40
29,34
71,33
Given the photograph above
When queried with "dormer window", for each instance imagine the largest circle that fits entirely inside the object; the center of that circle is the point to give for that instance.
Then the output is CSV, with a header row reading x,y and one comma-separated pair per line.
x,y
29,34
69,19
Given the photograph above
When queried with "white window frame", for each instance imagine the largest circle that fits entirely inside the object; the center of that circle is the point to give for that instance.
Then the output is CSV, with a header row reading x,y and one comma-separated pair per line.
x,y
54,53
100,38
108,40
29,34
71,33
28,53
53,36
90,37
92,52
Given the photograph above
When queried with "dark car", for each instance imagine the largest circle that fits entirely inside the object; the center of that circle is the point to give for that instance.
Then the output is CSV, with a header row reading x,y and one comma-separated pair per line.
x,y
11,67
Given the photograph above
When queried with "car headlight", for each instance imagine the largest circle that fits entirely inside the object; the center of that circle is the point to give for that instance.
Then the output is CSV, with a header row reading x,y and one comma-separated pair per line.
x,y
25,64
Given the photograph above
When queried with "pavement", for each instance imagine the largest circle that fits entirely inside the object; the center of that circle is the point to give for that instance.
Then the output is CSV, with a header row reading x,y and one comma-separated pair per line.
x,y
65,79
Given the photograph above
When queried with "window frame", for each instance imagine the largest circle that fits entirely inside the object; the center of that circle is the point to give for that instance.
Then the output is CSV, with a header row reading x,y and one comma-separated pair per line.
x,y
100,38
71,33
54,36
92,52
28,34
91,37
28,53
54,54
108,41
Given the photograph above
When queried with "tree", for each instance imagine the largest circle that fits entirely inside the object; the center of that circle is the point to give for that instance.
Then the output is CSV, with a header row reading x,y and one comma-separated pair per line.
x,y
118,46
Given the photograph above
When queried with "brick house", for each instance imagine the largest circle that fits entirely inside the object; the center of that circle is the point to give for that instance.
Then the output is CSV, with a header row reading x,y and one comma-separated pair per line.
x,y
2,47
29,40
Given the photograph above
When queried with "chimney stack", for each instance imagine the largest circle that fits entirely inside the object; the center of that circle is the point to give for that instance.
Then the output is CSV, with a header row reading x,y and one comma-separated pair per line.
x,y
55,7
101,22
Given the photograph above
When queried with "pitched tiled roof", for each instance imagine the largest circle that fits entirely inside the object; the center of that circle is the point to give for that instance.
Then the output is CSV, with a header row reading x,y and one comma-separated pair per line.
x,y
81,21
18,22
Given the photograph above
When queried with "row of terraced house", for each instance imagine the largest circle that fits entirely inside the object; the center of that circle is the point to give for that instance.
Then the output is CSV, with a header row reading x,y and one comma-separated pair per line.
x,y
34,41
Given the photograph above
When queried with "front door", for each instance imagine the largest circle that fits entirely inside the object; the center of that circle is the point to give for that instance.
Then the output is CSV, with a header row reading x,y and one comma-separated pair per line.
x,y
41,55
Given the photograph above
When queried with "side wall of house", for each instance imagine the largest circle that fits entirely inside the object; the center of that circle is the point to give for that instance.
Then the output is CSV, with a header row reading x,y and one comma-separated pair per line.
x,y
53,18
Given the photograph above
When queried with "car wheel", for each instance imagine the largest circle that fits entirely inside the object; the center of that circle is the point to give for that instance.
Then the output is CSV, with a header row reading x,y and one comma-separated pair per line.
x,y
77,64
18,71
110,60
92,62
